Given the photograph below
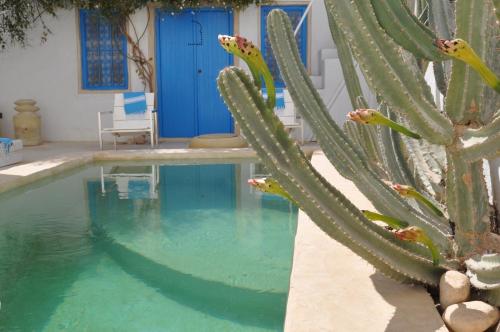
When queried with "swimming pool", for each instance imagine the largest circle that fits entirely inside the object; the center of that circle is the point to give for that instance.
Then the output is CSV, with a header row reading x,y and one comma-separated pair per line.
x,y
145,247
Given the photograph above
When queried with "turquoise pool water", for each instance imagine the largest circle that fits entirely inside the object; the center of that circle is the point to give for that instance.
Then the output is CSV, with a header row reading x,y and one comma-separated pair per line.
x,y
145,248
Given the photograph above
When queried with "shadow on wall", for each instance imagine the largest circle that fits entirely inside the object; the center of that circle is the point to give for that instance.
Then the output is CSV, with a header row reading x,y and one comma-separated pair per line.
x,y
407,311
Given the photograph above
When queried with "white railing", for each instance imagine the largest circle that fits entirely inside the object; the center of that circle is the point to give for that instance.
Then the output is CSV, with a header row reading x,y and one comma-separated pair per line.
x,y
302,19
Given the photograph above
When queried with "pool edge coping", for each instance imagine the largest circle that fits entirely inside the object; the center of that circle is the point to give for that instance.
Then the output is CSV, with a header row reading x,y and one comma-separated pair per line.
x,y
10,177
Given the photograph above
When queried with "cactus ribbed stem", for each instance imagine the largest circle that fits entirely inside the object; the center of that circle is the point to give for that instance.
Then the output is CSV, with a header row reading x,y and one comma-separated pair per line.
x,y
454,143
386,71
487,148
491,128
326,206
440,15
405,29
339,150
348,70
392,156
465,90
467,202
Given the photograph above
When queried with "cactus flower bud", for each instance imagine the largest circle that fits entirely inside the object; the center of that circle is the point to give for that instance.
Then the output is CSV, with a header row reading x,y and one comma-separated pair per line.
x,y
248,52
412,233
416,234
239,46
410,192
461,50
364,116
372,117
402,189
270,186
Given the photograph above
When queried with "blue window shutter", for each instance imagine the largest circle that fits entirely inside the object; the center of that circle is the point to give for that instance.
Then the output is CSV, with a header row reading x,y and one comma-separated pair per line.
x,y
295,14
104,53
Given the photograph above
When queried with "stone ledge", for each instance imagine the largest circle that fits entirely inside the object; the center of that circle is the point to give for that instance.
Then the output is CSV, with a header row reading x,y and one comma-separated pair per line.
x,y
333,289
18,175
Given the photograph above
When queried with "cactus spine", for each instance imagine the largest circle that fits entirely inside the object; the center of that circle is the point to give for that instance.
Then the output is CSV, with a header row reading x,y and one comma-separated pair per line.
x,y
450,153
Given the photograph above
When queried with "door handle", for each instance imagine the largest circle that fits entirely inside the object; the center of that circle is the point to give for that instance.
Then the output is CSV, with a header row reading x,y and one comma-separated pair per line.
x,y
199,71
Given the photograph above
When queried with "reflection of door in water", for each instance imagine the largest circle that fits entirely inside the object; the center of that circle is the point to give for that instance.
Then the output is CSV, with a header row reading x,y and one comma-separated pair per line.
x,y
189,59
188,189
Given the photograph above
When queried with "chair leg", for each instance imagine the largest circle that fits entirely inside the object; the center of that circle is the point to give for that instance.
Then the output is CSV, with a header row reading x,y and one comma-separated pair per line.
x,y
152,139
100,139
114,141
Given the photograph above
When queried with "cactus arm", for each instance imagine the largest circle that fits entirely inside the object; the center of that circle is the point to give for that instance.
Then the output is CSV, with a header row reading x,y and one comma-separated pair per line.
x,y
246,50
440,11
486,147
467,202
465,89
339,150
398,22
440,76
393,158
361,138
386,72
426,164
491,128
327,207
351,78
372,117
440,17
482,143
484,273
390,221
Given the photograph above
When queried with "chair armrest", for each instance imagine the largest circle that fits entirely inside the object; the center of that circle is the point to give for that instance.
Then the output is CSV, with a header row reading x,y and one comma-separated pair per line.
x,y
99,114
154,111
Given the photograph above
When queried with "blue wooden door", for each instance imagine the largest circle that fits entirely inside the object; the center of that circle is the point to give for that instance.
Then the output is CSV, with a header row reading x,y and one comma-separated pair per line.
x,y
189,59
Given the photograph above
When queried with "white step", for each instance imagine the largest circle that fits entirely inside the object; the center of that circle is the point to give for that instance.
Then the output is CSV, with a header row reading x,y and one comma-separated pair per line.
x,y
328,53
317,81
332,73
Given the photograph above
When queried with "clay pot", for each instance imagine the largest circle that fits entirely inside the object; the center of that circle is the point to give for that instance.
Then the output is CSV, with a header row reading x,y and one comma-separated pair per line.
x,y
27,122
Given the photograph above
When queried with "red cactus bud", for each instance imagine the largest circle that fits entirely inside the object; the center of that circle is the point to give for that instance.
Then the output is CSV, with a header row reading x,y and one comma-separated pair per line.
x,y
402,189
364,116
412,233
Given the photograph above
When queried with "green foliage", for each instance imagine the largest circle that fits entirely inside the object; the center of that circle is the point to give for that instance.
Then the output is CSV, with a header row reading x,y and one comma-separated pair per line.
x,y
17,17
442,217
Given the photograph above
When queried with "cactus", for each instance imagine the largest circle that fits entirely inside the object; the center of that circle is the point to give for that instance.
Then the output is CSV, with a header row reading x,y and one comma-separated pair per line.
x,y
447,219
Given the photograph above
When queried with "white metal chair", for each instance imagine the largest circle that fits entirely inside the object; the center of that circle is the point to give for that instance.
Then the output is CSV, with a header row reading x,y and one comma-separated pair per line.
x,y
130,123
133,182
289,117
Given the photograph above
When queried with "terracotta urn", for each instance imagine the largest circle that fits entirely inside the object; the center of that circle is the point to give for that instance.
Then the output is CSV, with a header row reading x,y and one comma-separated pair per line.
x,y
27,122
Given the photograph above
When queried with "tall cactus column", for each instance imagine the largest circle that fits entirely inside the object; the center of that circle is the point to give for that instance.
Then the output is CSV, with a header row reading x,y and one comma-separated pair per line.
x,y
423,231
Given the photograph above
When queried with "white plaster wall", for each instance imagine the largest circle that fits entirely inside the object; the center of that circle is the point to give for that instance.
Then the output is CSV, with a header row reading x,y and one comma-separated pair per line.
x,y
48,73
319,34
